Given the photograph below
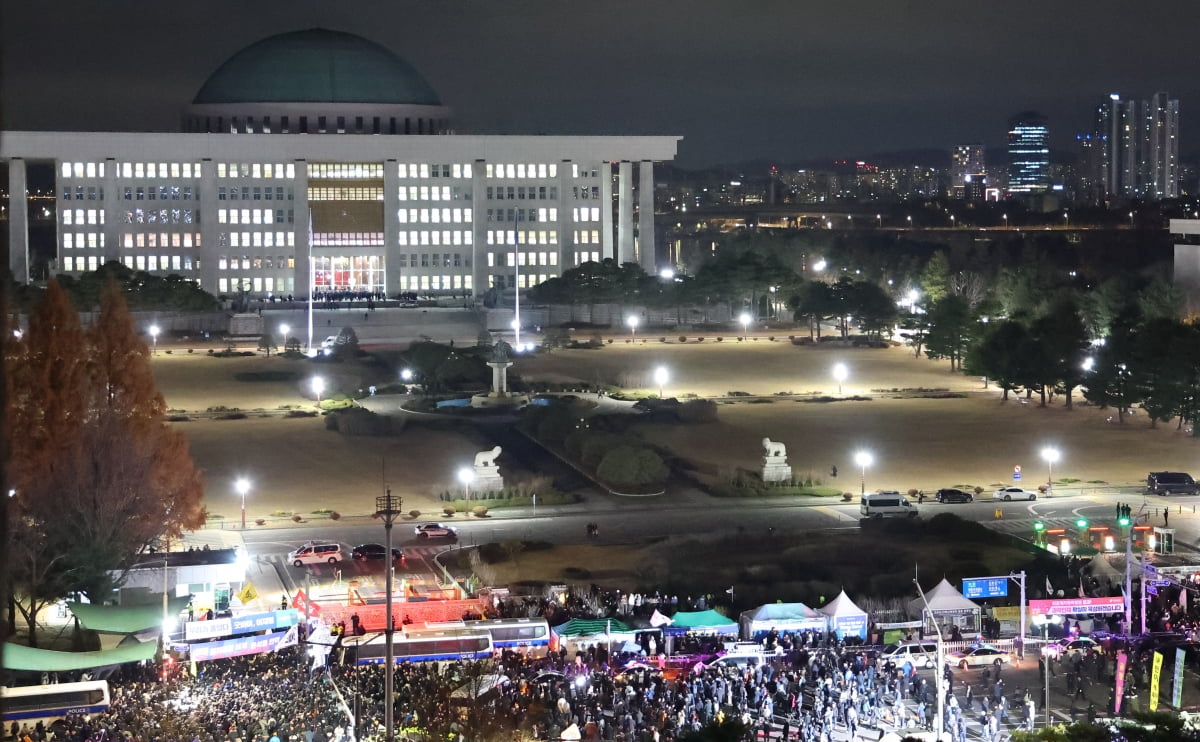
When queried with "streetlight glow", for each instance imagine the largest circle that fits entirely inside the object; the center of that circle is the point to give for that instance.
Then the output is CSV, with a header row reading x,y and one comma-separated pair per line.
x,y
1051,455
820,265
406,374
318,386
243,486
154,336
660,378
863,459
1088,363
840,372
632,321
284,330
744,318
466,476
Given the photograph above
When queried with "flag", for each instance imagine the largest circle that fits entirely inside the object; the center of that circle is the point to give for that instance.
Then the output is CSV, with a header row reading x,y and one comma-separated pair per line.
x,y
1081,593
290,639
1049,587
729,591
247,593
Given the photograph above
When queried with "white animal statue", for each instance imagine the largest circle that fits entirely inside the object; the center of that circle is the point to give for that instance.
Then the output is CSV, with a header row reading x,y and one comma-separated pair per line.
x,y
774,448
487,458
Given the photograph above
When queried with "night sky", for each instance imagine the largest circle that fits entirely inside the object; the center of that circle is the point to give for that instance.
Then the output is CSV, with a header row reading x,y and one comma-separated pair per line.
x,y
738,79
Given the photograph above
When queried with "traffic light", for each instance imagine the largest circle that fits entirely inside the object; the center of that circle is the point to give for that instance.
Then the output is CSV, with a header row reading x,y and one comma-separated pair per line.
x,y
1081,524
1039,526
1123,522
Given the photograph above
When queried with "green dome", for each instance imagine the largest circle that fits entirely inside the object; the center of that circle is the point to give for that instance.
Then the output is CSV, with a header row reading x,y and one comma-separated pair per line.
x,y
316,66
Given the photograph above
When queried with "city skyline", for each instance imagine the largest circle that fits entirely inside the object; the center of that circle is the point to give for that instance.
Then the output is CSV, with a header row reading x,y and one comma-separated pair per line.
x,y
774,82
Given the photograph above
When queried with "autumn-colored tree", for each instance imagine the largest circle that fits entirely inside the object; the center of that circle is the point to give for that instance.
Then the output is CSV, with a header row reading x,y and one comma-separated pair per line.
x,y
99,475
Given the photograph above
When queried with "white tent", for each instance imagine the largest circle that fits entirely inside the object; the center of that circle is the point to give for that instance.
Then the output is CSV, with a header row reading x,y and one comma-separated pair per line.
x,y
948,607
781,617
1102,570
845,618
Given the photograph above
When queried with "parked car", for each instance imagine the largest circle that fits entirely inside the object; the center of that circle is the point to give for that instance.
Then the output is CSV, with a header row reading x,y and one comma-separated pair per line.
x,y
1014,493
919,653
315,553
1170,483
435,530
373,552
979,655
954,494
1068,647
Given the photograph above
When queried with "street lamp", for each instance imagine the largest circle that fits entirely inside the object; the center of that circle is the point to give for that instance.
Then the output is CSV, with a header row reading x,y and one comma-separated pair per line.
x,y
952,221
387,508
318,386
938,674
745,320
660,378
154,336
284,330
1131,219
820,265
1051,455
466,476
1067,218
863,459
840,372
879,220
1005,217
632,321
243,486
909,222
1088,363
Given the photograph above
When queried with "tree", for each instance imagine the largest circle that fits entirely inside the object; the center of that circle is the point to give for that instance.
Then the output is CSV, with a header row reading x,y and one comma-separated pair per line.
x,y
1114,380
632,466
935,279
813,301
951,329
267,343
1065,341
874,309
995,356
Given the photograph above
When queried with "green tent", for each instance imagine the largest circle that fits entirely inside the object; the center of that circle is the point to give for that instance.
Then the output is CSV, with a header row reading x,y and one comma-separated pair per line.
x,y
121,619
704,621
592,627
20,657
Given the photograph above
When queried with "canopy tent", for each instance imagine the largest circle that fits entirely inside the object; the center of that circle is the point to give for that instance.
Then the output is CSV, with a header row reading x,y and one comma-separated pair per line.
x,y
125,619
781,617
702,622
845,618
20,657
947,607
578,634
1102,569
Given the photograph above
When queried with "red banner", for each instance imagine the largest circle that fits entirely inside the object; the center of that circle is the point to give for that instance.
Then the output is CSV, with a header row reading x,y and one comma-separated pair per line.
x,y
1122,663
1077,606
299,601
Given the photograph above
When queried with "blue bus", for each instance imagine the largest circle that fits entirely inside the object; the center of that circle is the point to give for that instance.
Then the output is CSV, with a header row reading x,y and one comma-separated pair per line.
x,y
48,704
418,646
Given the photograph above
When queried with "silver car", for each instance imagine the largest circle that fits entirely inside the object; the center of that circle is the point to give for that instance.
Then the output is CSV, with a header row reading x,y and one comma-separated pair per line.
x,y
1008,494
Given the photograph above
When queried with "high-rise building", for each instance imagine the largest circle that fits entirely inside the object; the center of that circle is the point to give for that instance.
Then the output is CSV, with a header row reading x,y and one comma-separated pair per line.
x,y
1136,148
1160,142
968,167
1028,153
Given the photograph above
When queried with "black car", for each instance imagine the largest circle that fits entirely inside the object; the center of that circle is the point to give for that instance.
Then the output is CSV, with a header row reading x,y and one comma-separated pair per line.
x,y
954,494
373,552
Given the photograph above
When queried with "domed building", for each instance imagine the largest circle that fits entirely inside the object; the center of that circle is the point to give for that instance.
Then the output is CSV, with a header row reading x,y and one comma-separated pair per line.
x,y
412,208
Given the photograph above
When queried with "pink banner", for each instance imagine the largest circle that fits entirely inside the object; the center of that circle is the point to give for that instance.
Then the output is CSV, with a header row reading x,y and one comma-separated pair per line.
x,y
1122,662
1075,606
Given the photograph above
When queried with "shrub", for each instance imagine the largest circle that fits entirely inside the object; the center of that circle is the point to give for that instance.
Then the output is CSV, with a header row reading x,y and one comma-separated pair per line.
x,y
414,514
449,511
626,465
740,339
771,338
296,518
662,340
683,338
610,341
178,419
335,515
479,511
912,493
168,352
259,521
191,350
700,340
211,351
360,422
697,411
232,416
720,339
596,447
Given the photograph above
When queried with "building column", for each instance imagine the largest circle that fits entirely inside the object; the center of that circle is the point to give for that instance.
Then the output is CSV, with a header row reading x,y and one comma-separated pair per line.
x,y
565,224
114,213
606,210
18,220
645,251
625,252
392,273
210,247
302,273
479,226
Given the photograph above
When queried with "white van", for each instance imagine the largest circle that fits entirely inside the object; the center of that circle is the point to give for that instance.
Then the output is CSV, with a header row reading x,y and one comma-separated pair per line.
x,y
886,504
315,553
920,654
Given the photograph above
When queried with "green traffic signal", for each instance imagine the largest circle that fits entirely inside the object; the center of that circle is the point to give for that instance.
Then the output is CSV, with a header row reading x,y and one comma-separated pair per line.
x,y
1124,522
1039,526
1081,523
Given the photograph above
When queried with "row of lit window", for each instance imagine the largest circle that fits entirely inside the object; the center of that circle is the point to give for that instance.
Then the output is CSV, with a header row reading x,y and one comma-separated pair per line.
x,y
249,216
160,216
82,263
77,193
586,236
434,260
524,281
347,193
150,193
348,272
522,259
82,216
586,213
344,170
521,170
82,240
258,284
82,169
582,257
433,193
161,262
346,239
252,262
254,193
160,239
582,192
425,170
578,172
521,193
436,283
521,215
434,216
156,170
257,170
256,239
523,236
434,237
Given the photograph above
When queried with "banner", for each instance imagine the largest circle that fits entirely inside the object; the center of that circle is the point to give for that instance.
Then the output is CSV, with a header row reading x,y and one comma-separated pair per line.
x,y
1177,688
247,623
1122,663
235,647
247,593
1155,674
1077,606
299,601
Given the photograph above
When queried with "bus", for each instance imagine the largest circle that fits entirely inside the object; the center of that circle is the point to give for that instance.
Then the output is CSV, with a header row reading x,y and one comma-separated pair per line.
x,y
48,704
506,633
418,646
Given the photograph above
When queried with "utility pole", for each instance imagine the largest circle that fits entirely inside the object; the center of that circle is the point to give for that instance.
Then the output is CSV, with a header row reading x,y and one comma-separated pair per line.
x,y
941,666
387,508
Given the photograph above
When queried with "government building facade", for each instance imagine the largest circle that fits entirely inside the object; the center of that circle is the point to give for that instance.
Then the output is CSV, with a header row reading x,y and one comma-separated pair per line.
x,y
318,161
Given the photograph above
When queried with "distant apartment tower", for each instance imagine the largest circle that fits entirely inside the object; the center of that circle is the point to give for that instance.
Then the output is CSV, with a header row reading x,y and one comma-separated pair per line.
x,y
1136,148
968,173
1028,153
1160,147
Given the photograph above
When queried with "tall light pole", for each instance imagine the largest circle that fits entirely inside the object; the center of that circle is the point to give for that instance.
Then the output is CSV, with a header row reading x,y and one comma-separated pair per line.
x,y
387,508
154,337
660,377
1051,455
1067,218
632,321
840,372
879,220
909,222
318,386
1131,220
284,330
863,459
243,486
1005,217
466,476
941,667
744,318
166,618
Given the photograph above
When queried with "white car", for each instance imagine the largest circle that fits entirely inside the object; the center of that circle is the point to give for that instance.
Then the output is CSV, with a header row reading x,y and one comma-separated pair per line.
x,y
1068,647
1009,494
435,530
978,656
